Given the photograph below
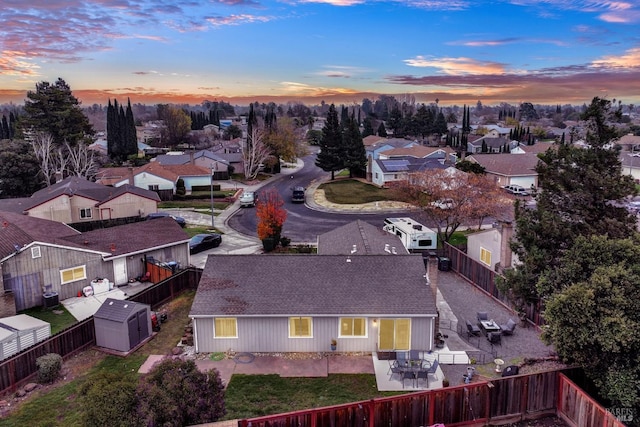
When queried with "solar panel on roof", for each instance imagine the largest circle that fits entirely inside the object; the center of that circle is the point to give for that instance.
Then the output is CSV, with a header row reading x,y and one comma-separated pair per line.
x,y
395,165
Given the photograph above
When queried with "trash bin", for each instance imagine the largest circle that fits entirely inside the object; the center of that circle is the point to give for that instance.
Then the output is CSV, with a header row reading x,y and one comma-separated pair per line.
x,y
444,264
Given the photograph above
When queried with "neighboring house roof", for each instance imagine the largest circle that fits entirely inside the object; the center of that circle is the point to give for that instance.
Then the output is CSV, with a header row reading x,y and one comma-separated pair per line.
x,y
507,164
308,285
184,159
391,142
18,231
490,142
629,139
537,148
188,170
372,139
112,176
358,238
76,186
418,151
409,164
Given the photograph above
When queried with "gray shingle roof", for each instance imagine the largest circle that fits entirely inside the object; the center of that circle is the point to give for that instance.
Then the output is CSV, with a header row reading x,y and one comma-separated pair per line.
x,y
410,164
367,239
117,310
314,285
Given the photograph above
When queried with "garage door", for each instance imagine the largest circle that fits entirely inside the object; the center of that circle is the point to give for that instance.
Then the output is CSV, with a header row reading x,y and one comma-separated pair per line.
x,y
523,181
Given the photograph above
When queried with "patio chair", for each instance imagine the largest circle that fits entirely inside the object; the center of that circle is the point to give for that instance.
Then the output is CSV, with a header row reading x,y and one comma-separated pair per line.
x,y
395,370
483,315
433,369
408,375
495,338
422,373
472,329
509,327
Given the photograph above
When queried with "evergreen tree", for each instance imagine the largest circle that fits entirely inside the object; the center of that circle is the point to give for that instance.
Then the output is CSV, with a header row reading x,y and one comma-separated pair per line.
x,y
367,128
4,130
382,131
355,157
131,133
330,158
53,109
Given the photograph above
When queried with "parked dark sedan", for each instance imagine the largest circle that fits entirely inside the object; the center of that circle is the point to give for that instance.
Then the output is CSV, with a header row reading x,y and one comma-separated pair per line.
x,y
201,242
181,221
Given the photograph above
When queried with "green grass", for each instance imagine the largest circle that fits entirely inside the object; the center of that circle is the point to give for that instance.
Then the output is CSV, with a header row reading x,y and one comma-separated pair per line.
x,y
193,204
459,238
58,322
257,395
192,231
351,191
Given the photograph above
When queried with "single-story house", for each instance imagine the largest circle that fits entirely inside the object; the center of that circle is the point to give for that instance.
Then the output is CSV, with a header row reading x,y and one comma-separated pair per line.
x,y
509,169
38,255
75,199
384,171
359,238
491,247
203,158
300,303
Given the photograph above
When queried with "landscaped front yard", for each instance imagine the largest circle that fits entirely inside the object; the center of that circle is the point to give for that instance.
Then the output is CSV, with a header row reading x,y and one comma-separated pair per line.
x,y
352,191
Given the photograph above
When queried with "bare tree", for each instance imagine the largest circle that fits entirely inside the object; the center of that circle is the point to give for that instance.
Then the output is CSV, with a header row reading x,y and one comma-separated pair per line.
x,y
255,154
43,145
59,162
81,160
450,197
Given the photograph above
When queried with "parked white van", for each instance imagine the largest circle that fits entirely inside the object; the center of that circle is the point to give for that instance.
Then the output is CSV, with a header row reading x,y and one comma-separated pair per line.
x,y
516,189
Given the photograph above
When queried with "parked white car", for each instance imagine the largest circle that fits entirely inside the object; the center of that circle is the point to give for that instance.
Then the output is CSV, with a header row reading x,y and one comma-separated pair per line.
x,y
443,204
516,189
248,199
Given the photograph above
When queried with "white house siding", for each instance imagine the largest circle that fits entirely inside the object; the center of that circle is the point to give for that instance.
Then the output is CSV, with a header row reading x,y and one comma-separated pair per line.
x,y
145,179
271,334
489,240
191,181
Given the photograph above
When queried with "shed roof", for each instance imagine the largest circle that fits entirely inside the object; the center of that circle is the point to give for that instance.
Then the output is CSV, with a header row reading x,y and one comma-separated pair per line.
x,y
117,310
23,322
320,285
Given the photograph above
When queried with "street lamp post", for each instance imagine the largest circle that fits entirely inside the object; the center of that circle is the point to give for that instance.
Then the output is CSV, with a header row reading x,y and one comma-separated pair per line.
x,y
212,215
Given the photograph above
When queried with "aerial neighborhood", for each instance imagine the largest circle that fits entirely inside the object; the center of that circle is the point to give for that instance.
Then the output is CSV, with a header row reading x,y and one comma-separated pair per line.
x,y
420,251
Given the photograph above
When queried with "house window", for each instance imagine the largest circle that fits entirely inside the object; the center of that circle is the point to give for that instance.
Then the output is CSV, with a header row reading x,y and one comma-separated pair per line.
x,y
353,327
73,274
376,175
485,256
35,252
300,327
225,327
85,213
154,187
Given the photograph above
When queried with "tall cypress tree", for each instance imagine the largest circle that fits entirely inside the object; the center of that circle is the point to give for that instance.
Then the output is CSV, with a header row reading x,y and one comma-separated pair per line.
x,y
132,135
329,158
355,155
112,130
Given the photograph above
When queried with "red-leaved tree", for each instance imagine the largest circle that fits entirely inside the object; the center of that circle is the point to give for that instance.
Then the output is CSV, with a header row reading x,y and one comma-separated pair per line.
x,y
271,216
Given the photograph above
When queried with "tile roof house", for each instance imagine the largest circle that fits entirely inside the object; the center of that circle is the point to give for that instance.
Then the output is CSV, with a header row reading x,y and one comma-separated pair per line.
x,y
492,144
75,200
203,158
300,303
36,254
359,238
509,169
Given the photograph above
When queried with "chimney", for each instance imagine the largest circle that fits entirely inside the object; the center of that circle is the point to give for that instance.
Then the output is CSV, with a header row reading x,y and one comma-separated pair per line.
x,y
131,179
58,176
506,255
432,273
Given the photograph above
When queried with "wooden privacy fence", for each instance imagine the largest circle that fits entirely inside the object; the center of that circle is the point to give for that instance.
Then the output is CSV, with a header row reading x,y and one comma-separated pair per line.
x,y
577,408
484,278
21,368
501,400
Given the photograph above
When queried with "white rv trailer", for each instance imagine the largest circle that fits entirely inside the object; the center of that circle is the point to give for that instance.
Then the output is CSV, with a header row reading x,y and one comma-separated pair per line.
x,y
414,236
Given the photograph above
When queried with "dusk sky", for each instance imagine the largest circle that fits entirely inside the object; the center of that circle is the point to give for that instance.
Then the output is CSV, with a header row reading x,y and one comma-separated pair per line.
x,y
341,51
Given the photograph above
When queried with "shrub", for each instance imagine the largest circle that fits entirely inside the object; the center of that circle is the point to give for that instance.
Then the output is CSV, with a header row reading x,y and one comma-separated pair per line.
x,y
181,190
120,393
285,241
49,367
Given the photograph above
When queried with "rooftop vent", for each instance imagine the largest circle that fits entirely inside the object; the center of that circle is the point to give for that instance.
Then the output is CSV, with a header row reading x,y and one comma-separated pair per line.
x,y
354,249
417,227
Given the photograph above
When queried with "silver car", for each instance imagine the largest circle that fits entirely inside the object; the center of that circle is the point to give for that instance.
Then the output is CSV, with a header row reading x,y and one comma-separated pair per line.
x,y
248,199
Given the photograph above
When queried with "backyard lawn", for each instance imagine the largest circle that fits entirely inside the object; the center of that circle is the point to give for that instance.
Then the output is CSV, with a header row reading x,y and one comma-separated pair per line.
x,y
246,396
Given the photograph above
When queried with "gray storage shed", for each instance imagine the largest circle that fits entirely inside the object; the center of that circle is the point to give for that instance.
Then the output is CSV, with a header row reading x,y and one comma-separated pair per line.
x,y
8,343
29,330
121,325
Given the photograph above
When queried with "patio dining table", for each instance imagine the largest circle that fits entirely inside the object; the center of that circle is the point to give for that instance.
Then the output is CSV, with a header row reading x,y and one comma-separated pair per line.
x,y
489,326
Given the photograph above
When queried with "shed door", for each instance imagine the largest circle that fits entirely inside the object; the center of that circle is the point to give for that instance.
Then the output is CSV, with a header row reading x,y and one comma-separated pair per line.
x,y
143,325
134,331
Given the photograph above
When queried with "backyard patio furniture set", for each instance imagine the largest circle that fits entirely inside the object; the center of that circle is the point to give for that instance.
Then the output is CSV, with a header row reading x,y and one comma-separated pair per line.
x,y
411,366
490,328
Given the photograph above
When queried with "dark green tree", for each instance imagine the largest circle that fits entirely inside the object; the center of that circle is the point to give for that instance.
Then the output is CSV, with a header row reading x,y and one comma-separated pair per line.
x,y
471,167
367,128
232,132
382,130
52,108
355,157
19,174
119,391
330,158
581,190
131,145
395,121
593,318
176,393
